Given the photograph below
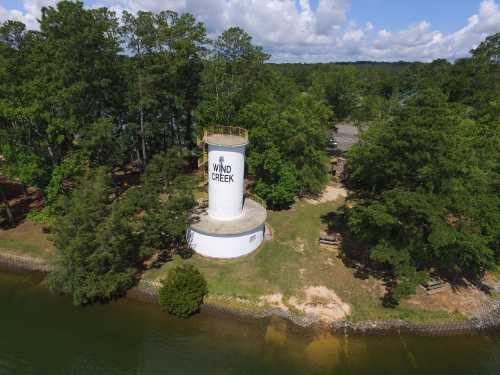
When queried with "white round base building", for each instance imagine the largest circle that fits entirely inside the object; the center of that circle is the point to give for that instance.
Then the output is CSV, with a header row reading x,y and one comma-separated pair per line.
x,y
228,239
231,226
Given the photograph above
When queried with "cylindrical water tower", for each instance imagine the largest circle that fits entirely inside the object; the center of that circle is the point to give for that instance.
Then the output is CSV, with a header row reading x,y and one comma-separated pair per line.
x,y
226,180
232,225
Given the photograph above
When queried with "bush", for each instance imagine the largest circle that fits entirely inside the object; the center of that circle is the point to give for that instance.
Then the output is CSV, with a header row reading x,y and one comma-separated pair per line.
x,y
40,217
182,291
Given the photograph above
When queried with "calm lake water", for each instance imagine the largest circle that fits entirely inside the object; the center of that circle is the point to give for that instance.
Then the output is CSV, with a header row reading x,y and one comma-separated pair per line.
x,y
41,333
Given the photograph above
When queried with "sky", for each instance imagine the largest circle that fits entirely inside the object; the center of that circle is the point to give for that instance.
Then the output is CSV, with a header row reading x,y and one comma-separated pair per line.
x,y
325,30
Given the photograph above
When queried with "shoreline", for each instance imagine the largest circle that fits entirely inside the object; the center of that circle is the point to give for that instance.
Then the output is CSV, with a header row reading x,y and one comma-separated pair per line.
x,y
486,320
23,263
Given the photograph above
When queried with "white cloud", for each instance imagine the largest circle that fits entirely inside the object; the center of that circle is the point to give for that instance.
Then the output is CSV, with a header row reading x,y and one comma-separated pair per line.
x,y
354,35
329,14
14,14
293,31
420,42
29,14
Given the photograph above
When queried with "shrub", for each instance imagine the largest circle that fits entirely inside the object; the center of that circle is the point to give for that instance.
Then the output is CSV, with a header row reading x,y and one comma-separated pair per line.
x,y
182,291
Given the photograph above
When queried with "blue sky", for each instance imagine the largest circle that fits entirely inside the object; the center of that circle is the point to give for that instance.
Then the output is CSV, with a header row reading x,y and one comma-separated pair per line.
x,y
444,15
12,4
327,30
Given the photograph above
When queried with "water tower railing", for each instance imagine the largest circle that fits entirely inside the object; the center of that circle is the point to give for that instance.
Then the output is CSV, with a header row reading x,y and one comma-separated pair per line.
x,y
257,199
234,131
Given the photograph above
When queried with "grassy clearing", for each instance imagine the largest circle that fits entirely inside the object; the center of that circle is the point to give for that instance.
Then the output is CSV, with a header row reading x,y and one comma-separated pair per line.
x,y
26,239
294,260
19,246
23,248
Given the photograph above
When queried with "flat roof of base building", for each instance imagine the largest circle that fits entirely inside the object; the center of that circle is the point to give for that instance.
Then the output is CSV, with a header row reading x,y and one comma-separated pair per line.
x,y
252,216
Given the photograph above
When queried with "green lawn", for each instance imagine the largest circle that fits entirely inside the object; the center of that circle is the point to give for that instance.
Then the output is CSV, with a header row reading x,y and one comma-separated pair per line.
x,y
26,239
292,261
19,247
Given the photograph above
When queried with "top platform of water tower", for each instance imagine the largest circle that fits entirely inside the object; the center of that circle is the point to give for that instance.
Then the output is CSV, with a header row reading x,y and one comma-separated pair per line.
x,y
228,136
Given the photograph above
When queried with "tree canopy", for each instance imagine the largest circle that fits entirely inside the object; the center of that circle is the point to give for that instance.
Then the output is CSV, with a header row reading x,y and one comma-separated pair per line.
x,y
426,183
92,100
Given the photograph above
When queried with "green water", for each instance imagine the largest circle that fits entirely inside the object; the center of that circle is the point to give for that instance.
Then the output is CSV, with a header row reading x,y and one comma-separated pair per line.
x,y
41,333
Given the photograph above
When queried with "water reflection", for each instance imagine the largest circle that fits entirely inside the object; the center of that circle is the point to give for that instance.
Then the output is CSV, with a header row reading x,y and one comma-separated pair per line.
x,y
325,350
42,333
276,332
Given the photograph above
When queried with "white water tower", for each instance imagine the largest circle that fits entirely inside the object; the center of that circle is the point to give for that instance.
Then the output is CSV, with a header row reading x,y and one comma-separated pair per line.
x,y
226,181
233,225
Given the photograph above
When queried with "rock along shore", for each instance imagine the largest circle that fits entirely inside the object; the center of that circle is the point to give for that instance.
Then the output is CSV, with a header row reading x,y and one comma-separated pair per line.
x,y
12,262
488,318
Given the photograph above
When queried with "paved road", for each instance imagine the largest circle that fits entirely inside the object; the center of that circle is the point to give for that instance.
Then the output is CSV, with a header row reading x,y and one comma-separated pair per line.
x,y
347,135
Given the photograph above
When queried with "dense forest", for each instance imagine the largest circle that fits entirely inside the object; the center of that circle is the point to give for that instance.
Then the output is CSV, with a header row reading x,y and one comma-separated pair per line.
x,y
93,99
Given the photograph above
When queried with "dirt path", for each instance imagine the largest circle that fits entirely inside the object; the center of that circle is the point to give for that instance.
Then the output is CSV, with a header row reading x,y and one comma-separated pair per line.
x,y
330,194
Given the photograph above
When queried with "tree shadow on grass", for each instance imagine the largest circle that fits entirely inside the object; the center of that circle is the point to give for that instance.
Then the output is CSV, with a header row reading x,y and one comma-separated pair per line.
x,y
16,201
352,253
356,256
165,256
457,279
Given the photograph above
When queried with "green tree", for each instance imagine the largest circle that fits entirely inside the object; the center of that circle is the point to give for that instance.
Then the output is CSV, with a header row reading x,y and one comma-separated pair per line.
x,y
166,223
25,159
76,89
102,143
277,179
97,250
183,290
287,156
63,81
233,72
166,65
489,49
426,195
161,206
341,89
